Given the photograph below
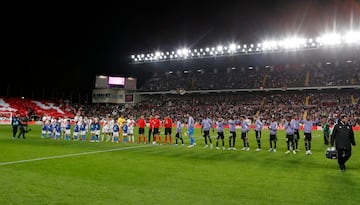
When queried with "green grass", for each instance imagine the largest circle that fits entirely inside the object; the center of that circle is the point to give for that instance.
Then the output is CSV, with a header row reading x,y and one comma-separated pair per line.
x,y
171,175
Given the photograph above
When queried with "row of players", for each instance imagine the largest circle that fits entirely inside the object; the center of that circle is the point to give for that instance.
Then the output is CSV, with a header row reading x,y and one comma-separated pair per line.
x,y
123,131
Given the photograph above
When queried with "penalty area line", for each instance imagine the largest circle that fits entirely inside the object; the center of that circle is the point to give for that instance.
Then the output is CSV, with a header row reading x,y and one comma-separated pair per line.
x,y
70,155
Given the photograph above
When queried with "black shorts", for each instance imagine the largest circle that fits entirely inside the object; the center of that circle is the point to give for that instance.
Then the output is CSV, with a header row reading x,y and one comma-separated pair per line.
x,y
207,133
244,135
141,131
289,138
233,134
156,131
258,134
167,131
273,138
220,135
296,135
307,136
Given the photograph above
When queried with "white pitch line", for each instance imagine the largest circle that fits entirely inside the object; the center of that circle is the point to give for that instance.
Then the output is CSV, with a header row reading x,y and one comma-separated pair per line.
x,y
69,155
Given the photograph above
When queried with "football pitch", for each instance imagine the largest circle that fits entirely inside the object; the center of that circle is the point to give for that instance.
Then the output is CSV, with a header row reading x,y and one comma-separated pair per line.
x,y
46,171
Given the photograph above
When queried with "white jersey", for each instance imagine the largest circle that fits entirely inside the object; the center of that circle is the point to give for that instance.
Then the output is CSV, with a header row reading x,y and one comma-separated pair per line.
x,y
131,124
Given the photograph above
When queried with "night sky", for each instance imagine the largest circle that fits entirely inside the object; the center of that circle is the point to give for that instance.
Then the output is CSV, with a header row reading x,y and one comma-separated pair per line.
x,y
58,47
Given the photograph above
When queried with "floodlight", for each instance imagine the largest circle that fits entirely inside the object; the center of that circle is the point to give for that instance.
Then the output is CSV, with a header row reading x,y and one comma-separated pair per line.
x,y
330,39
232,47
352,37
179,52
185,51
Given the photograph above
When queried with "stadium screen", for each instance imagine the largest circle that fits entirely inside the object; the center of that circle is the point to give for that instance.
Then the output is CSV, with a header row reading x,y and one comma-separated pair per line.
x,y
116,80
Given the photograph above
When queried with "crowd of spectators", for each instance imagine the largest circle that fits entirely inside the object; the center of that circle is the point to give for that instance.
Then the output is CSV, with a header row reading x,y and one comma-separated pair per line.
x,y
276,76
318,104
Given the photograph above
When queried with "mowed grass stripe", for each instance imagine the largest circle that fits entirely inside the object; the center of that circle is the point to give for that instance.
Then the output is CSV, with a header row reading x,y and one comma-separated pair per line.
x,y
70,155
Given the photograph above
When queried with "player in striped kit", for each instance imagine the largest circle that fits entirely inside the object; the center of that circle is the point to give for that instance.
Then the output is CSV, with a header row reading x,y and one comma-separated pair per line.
x,y
232,128
220,132
296,121
258,127
245,127
289,130
178,134
308,124
206,125
273,131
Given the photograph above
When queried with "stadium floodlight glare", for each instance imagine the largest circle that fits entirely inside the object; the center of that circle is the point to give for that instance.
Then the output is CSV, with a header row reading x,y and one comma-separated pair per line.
x,y
330,39
350,38
179,52
291,43
232,47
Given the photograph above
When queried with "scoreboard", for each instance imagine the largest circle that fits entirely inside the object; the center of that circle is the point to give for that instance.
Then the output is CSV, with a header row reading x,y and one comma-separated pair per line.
x,y
103,81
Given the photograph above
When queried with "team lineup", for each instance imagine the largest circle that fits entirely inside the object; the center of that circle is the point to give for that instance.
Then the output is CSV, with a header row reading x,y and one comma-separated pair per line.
x,y
121,130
